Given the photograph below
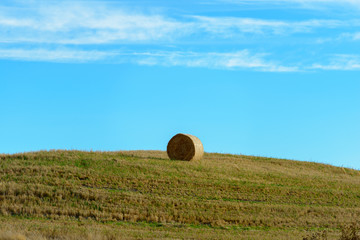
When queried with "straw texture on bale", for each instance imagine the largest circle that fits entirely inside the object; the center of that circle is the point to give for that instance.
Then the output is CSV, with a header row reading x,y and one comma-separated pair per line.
x,y
185,147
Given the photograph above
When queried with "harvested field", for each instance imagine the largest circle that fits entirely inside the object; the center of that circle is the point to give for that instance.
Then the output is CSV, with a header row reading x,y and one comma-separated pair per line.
x,y
144,195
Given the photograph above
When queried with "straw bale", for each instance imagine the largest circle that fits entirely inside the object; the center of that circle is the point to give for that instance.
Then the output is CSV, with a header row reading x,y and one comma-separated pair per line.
x,y
185,147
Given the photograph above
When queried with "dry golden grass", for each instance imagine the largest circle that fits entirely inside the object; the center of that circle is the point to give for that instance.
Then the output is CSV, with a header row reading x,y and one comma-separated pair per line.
x,y
144,195
8,235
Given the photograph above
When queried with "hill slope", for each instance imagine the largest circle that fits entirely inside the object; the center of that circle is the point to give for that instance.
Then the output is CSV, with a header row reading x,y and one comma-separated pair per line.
x,y
143,194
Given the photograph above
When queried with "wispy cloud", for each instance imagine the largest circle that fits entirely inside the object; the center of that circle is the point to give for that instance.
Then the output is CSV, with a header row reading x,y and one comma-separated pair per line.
x,y
213,60
350,36
75,31
356,36
99,23
54,55
239,60
77,23
299,3
340,38
325,3
230,25
231,60
342,62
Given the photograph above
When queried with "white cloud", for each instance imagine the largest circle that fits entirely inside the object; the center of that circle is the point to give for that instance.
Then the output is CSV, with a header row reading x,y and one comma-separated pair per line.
x,y
13,22
300,3
60,24
356,36
53,55
239,60
80,23
342,62
312,3
231,25
350,36
347,36
98,23
231,60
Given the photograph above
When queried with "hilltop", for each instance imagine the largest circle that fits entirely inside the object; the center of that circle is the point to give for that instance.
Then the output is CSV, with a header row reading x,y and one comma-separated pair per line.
x,y
144,195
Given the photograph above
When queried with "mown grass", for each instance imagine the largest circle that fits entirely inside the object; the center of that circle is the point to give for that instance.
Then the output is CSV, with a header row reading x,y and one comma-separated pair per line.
x,y
143,194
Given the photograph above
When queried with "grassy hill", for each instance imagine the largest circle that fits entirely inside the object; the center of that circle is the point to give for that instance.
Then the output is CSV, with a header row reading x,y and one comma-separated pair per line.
x,y
144,195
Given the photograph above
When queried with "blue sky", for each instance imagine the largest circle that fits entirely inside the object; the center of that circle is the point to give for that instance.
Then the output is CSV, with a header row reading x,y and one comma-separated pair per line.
x,y
269,78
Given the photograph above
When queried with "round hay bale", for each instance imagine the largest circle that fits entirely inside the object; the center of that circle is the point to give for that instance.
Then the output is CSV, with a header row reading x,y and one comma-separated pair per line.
x,y
185,147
